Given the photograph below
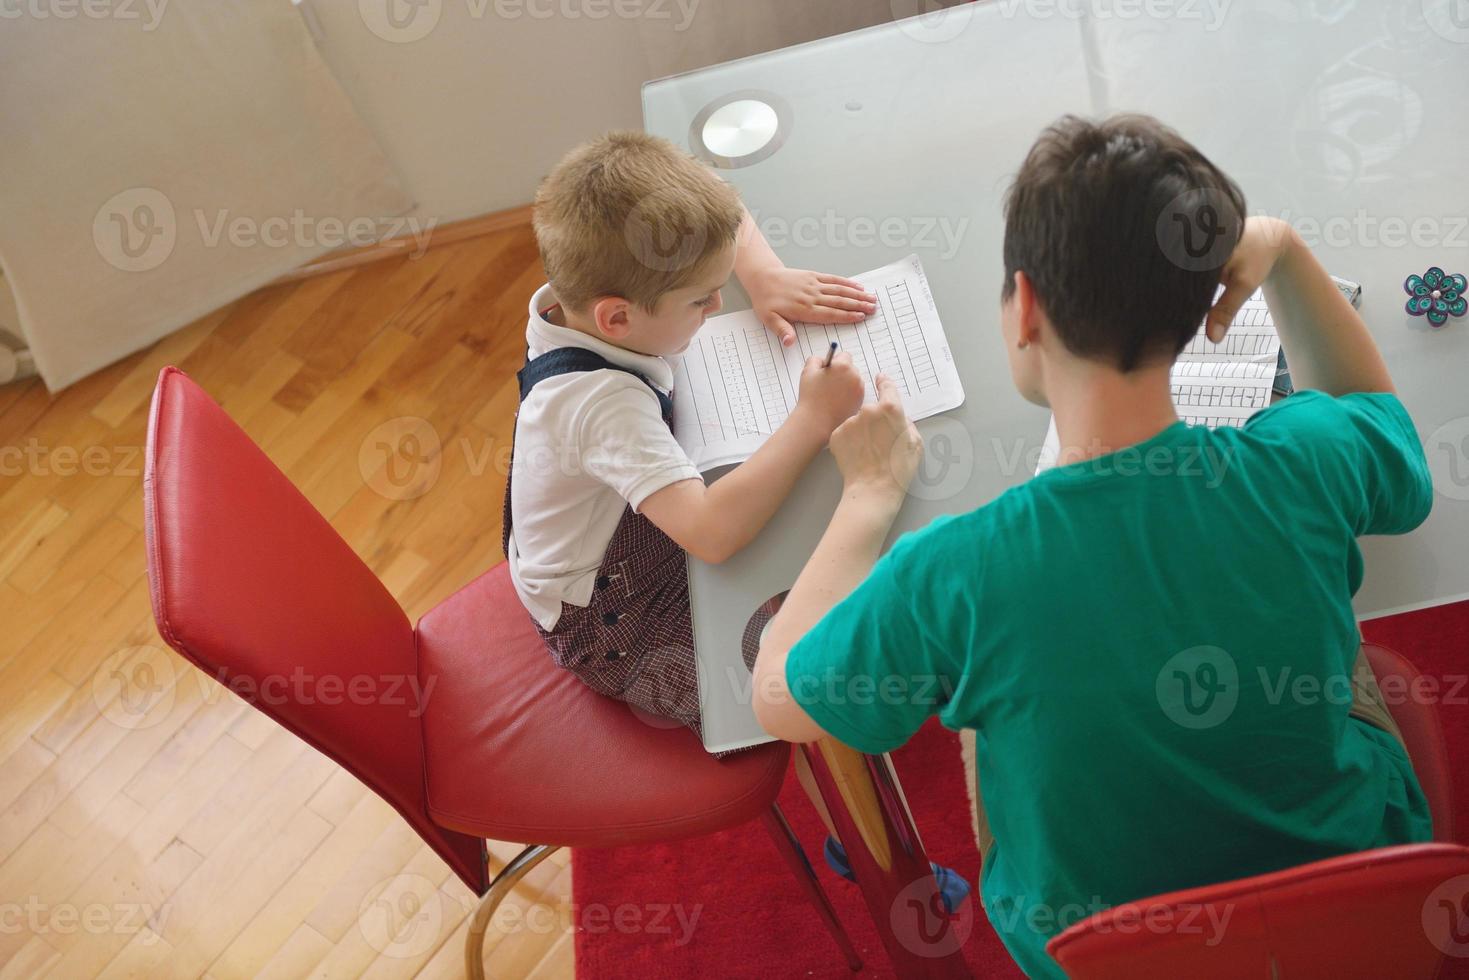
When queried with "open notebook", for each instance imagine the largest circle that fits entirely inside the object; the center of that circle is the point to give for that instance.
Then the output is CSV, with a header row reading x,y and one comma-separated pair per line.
x,y
735,384
1216,384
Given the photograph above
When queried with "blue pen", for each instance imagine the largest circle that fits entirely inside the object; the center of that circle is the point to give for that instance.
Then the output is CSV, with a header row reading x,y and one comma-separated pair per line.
x,y
830,354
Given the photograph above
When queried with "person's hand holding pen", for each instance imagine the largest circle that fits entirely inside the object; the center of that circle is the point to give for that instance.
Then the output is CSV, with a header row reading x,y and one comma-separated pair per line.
x,y
831,390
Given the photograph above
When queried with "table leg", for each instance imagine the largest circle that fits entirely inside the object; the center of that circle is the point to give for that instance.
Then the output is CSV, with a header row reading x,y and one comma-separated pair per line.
x,y
887,858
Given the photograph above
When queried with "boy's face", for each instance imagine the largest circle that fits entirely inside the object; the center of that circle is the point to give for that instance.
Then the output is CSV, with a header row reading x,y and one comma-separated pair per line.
x,y
679,313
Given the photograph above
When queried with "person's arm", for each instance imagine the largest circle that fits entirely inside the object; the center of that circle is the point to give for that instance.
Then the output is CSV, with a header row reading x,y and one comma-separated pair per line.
x,y
878,451
779,295
713,522
1327,345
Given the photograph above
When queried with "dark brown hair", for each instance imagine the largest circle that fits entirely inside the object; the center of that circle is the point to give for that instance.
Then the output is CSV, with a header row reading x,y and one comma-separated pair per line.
x,y
1122,228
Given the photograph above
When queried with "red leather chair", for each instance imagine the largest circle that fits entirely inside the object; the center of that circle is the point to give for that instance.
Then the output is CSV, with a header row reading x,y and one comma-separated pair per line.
x,y
1392,912
1417,719
249,583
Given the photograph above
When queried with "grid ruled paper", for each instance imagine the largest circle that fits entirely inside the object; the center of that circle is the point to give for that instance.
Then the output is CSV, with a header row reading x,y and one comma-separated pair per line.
x,y
735,384
1224,384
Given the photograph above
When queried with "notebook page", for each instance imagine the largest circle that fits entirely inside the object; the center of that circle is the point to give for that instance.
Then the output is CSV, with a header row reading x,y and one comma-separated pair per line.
x,y
1224,384
735,384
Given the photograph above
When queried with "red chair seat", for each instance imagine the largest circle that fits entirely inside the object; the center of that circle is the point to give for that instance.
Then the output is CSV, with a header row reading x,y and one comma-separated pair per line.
x,y
518,749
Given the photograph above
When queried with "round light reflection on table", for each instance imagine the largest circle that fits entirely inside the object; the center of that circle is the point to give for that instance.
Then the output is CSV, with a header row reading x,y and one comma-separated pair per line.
x,y
739,129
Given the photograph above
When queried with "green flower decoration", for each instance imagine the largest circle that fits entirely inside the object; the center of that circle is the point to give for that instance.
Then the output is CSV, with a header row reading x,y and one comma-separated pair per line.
x,y
1436,295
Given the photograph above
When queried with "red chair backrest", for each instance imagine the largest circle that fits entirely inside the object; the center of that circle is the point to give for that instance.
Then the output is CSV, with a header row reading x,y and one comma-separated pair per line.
x,y
252,585
1392,912
1413,704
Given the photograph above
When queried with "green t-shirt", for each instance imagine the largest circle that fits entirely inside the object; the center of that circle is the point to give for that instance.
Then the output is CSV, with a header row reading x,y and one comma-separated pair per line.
x,y
1154,648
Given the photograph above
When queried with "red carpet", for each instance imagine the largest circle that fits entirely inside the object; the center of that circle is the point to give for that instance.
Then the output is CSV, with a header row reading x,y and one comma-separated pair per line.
x,y
748,919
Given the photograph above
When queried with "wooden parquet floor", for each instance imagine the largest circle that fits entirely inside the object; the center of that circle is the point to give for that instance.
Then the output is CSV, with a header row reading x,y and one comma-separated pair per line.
x,y
194,836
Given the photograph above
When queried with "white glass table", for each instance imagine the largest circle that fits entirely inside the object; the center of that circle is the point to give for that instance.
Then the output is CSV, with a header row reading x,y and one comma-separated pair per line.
x,y
1341,116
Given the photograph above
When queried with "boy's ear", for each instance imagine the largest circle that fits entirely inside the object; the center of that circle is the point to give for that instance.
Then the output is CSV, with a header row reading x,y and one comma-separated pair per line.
x,y
1027,310
611,314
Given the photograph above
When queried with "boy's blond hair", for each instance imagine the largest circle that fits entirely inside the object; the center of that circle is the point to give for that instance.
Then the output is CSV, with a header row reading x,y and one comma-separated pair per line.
x,y
633,216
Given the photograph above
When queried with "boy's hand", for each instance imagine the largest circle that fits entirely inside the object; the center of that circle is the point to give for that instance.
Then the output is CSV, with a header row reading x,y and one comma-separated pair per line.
x,y
780,295
829,395
879,449
1263,242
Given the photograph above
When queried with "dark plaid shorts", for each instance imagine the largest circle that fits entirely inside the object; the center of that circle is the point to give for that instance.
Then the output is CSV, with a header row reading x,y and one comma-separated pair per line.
x,y
634,640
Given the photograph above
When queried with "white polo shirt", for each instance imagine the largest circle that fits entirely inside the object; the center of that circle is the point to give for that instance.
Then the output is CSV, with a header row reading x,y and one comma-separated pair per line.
x,y
587,444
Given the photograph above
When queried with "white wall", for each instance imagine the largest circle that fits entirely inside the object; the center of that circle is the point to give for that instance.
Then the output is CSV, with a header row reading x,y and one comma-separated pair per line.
x,y
156,161
475,110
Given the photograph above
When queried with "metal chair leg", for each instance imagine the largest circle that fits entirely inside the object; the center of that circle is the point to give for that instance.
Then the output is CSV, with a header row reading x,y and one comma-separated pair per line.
x,y
507,879
790,849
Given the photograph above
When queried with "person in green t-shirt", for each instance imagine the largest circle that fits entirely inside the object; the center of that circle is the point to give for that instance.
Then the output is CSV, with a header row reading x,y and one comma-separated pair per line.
x,y
1153,640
